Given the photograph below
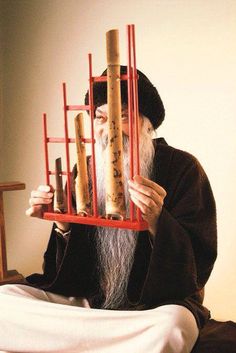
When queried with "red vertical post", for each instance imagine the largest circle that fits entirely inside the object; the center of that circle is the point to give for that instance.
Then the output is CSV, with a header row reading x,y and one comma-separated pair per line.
x,y
130,113
136,109
68,173
93,158
45,141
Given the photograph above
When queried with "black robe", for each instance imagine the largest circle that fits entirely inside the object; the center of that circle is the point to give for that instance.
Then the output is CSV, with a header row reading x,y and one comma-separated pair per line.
x,y
172,271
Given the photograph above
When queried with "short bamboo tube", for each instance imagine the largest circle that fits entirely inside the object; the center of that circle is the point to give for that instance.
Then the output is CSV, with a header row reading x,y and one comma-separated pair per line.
x,y
81,181
58,201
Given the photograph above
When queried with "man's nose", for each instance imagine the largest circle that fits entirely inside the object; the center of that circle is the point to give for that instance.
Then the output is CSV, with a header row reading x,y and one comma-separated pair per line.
x,y
104,127
101,129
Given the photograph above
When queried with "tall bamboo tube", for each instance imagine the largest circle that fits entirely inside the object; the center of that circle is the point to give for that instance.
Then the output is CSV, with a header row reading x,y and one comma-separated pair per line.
x,y
81,181
115,198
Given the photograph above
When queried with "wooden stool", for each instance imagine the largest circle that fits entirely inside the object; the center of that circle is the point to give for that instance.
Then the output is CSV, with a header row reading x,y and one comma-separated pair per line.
x,y
5,275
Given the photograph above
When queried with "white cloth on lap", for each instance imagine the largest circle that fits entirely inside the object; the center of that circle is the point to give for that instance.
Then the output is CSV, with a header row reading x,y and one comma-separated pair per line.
x,y
32,320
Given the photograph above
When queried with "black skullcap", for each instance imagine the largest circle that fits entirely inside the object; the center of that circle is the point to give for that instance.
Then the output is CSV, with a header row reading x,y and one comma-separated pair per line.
x,y
150,103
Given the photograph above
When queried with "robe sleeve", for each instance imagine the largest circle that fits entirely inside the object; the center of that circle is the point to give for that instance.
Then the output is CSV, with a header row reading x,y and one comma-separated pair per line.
x,y
184,249
68,265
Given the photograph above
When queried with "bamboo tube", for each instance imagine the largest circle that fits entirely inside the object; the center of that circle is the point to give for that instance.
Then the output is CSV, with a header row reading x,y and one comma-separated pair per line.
x,y
58,202
115,198
81,181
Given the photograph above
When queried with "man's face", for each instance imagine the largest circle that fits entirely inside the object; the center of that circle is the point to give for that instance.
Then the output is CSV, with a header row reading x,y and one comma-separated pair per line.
x,y
101,124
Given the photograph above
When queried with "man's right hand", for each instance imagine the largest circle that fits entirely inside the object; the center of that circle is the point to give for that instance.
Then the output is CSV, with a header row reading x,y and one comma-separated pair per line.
x,y
40,198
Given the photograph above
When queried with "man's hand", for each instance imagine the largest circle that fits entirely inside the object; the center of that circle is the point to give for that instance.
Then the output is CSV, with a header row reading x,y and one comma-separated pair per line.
x,y
149,197
40,198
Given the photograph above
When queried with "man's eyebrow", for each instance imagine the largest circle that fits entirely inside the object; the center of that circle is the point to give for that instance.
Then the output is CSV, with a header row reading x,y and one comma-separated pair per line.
x,y
100,111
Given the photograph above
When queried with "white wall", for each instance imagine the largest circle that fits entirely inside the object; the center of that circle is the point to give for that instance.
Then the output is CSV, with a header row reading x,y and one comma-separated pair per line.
x,y
1,93
188,50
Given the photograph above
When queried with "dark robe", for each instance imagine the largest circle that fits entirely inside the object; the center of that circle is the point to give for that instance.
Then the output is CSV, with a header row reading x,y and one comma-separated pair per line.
x,y
172,271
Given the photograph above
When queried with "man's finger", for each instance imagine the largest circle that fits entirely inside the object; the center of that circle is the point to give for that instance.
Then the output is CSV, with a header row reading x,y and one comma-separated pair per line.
x,y
34,201
34,211
147,191
139,204
150,202
41,194
138,179
45,188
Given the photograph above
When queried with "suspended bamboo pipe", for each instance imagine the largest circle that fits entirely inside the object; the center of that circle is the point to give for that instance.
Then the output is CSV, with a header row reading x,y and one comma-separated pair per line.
x,y
81,181
58,201
115,196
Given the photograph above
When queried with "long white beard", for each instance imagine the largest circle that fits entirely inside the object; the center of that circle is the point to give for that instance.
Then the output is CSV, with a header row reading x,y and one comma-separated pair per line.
x,y
115,247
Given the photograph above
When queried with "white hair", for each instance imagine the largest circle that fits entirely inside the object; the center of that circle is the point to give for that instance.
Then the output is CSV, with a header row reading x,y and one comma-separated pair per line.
x,y
116,247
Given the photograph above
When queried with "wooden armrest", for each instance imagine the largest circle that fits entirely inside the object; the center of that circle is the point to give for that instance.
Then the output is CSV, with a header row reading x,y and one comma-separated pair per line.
x,y
11,185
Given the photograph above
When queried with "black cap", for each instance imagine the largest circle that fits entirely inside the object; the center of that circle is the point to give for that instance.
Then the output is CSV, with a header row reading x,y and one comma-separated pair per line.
x,y
150,103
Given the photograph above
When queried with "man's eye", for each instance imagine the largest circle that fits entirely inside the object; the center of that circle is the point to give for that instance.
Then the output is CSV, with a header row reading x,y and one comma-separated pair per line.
x,y
101,119
124,118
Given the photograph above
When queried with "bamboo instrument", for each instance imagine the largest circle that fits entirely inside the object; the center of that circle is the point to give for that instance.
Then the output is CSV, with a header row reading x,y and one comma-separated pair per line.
x,y
115,198
58,202
81,181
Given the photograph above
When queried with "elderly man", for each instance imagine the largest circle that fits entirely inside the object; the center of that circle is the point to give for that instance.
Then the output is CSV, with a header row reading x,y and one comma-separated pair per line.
x,y
113,290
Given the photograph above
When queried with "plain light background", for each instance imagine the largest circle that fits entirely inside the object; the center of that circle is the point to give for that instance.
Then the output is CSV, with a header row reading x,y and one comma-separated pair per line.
x,y
187,49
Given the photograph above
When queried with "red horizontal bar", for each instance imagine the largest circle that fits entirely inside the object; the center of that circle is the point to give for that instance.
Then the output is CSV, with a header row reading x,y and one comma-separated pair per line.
x,y
59,140
77,107
70,140
53,173
98,221
99,79
104,78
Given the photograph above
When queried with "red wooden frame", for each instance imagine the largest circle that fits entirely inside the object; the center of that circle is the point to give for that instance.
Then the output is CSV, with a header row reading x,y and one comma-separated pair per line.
x,y
135,221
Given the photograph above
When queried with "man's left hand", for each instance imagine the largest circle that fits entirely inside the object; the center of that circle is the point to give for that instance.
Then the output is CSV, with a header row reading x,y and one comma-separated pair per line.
x,y
149,197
